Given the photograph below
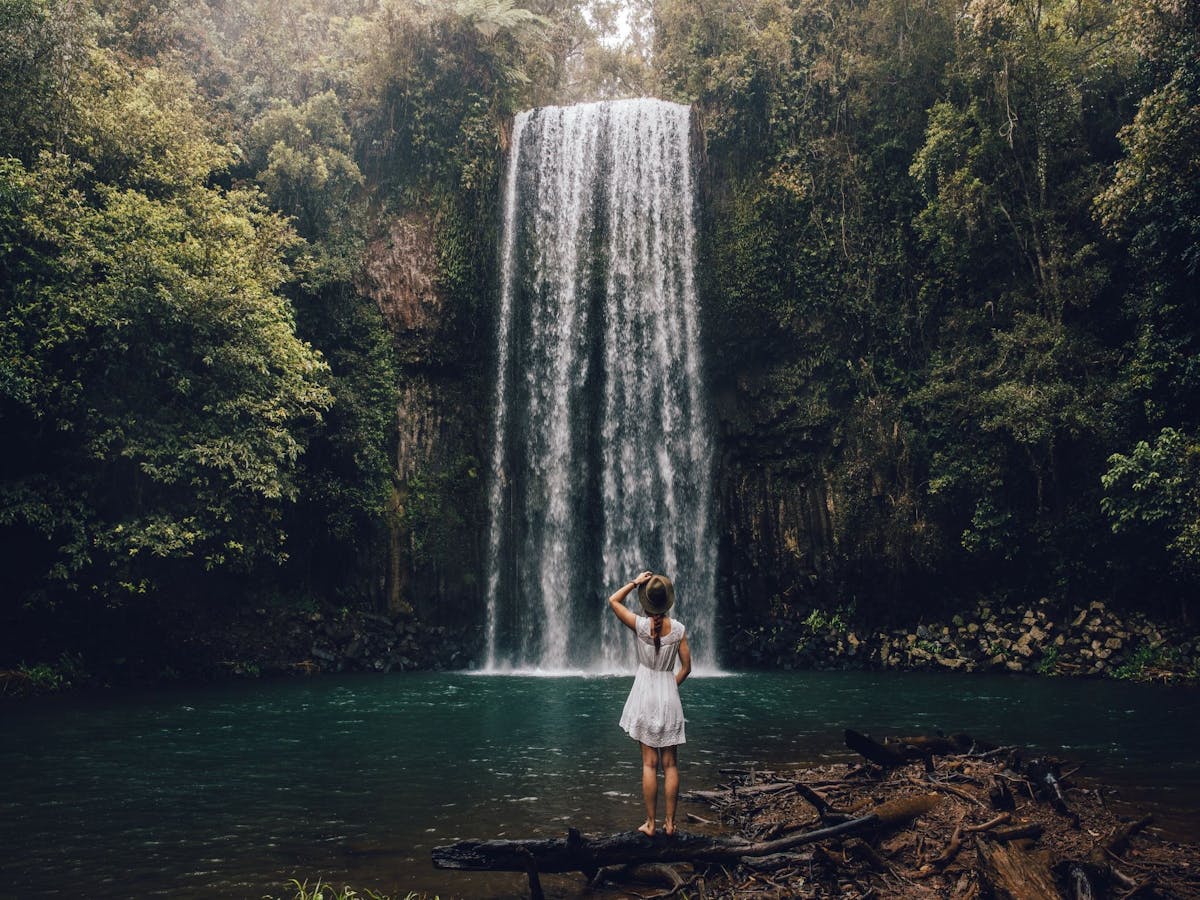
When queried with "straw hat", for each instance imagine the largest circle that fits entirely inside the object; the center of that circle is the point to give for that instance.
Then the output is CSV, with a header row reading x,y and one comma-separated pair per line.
x,y
657,595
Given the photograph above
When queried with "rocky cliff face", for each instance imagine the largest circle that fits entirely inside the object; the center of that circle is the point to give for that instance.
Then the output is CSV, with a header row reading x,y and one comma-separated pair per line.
x,y
776,508
400,274
435,557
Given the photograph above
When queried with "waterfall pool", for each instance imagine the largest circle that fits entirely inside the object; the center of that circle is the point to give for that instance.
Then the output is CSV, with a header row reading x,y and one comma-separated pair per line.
x,y
231,790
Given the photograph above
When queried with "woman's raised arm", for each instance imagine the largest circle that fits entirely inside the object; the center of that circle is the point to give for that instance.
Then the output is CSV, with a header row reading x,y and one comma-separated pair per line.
x,y
617,600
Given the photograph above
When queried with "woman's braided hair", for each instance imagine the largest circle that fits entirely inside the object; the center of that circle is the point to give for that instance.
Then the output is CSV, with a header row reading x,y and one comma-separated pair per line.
x,y
656,621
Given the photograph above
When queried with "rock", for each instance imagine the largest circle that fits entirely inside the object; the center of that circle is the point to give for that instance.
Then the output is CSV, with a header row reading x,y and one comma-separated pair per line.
x,y
951,662
1036,635
1024,646
322,654
973,628
1114,643
1015,665
957,621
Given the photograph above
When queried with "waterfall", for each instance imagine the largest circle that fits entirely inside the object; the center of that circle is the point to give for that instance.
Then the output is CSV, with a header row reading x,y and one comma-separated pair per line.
x,y
602,460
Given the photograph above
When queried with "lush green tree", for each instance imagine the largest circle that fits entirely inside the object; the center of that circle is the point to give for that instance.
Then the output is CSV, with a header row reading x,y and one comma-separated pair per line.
x,y
302,158
155,394
1153,498
1151,209
40,45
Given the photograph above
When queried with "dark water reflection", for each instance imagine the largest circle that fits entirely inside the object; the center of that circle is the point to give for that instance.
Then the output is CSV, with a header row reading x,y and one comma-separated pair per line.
x,y
232,790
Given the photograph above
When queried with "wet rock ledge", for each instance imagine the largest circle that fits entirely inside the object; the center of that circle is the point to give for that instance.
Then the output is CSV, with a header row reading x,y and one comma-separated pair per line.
x,y
1040,638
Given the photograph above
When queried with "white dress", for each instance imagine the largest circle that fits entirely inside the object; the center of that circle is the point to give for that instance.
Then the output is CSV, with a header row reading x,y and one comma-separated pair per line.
x,y
653,713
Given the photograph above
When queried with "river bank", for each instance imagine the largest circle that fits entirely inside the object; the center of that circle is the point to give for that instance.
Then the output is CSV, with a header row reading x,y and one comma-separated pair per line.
x,y
985,822
1041,638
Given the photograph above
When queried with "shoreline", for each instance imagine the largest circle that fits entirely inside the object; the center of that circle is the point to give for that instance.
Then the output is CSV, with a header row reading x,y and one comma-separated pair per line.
x,y
985,802
1041,639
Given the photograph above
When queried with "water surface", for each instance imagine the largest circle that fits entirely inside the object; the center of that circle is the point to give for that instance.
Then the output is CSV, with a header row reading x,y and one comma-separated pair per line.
x,y
231,790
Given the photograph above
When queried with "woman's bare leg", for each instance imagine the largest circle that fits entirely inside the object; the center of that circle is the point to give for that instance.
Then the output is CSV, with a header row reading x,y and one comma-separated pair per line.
x,y
649,788
670,760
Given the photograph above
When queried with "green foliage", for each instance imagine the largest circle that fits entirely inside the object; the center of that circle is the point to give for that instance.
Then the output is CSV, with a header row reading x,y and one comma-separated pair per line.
x,y
439,83
912,249
38,40
42,678
836,620
1152,661
46,678
1048,665
154,392
432,510
302,158
1154,494
324,891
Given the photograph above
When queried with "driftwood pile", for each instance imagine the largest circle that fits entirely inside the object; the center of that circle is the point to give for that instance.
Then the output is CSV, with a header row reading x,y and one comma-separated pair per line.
x,y
919,817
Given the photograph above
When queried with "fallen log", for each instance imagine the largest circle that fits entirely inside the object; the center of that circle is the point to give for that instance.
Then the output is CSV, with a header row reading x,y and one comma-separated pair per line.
x,y
935,745
1013,873
577,853
880,754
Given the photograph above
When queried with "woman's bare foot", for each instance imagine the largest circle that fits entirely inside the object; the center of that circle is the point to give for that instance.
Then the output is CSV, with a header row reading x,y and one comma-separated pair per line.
x,y
669,827
647,828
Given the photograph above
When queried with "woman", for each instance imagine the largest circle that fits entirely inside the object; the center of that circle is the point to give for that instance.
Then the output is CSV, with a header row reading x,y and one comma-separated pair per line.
x,y
653,715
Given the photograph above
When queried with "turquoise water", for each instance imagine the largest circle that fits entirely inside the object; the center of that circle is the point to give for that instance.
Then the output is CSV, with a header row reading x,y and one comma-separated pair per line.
x,y
231,790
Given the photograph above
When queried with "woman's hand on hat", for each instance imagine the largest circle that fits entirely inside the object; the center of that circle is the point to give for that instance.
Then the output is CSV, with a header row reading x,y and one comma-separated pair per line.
x,y
643,578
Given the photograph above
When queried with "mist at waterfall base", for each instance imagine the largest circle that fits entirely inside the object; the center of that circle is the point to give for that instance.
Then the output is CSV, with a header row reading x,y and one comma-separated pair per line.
x,y
602,459
230,790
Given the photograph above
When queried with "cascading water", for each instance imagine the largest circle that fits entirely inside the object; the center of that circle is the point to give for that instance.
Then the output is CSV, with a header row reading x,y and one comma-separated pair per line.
x,y
602,460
